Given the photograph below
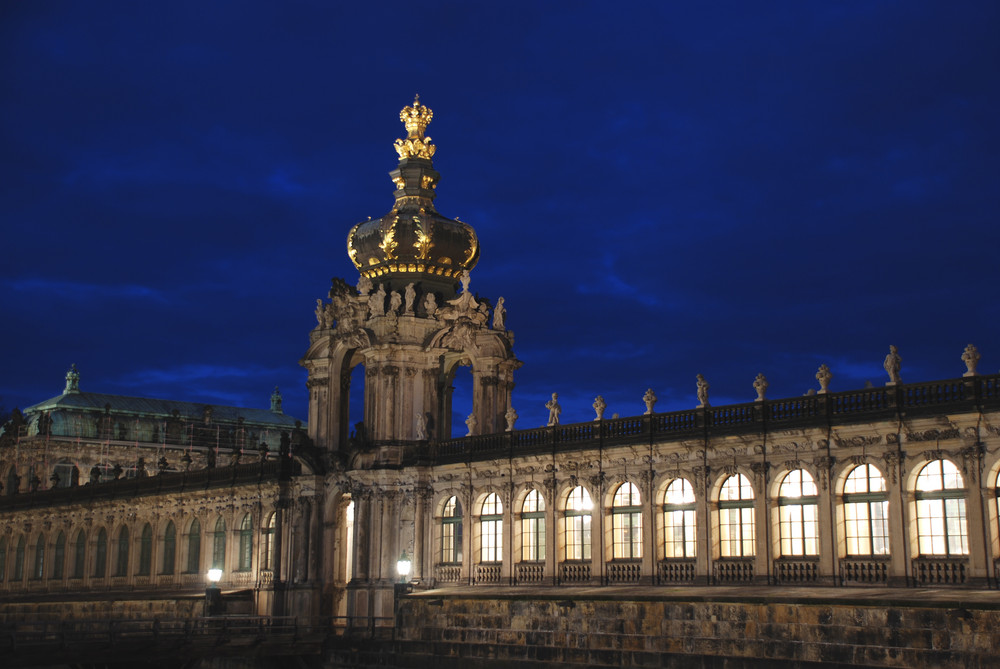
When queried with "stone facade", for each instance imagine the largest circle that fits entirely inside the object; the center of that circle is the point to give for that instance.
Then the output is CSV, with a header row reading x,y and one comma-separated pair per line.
x,y
876,490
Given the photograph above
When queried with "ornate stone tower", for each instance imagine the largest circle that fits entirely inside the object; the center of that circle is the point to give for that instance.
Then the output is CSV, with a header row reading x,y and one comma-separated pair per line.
x,y
411,322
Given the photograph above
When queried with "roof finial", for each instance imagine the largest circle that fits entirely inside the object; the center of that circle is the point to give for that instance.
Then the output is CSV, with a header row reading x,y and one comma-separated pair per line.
x,y
276,401
416,119
72,380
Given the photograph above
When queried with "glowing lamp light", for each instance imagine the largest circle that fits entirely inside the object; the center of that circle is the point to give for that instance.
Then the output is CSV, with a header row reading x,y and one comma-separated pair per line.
x,y
403,565
214,575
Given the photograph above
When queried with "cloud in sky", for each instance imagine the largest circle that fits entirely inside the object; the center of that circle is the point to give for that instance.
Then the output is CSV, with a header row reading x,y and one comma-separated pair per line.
x,y
77,291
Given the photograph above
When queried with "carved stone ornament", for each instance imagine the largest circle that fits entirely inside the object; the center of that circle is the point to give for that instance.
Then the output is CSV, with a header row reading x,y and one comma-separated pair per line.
x,y
823,466
761,474
972,462
599,406
511,418
701,476
760,385
650,401
970,356
823,375
893,460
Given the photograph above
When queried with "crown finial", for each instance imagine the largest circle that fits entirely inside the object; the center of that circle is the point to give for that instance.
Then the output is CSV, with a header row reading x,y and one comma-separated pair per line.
x,y
416,119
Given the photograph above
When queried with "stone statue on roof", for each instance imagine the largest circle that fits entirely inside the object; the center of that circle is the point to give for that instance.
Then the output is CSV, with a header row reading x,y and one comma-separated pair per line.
x,y
499,314
554,410
893,363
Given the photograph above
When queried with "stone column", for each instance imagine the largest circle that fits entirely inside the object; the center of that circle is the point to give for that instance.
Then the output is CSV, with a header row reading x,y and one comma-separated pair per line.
x,y
467,532
975,519
649,561
703,519
899,513
763,561
598,553
362,532
507,570
423,534
552,550
828,568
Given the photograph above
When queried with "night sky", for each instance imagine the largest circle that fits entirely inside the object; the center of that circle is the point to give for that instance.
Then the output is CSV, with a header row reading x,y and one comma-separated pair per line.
x,y
660,189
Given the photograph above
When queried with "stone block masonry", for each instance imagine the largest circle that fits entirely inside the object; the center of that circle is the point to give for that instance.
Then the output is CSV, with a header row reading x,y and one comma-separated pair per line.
x,y
701,627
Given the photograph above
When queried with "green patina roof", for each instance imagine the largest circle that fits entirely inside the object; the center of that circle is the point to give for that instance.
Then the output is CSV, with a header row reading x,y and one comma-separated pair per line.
x,y
123,404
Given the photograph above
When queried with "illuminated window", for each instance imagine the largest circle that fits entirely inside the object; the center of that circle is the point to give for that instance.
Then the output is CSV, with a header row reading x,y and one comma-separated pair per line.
x,y
59,558
145,550
246,544
451,531
169,548
626,523
101,554
267,537
940,495
533,527
121,566
194,547
678,520
79,554
39,570
798,514
736,518
19,559
219,545
866,511
491,529
577,523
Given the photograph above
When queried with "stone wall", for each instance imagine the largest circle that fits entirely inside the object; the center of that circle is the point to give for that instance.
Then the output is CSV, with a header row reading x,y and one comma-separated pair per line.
x,y
793,631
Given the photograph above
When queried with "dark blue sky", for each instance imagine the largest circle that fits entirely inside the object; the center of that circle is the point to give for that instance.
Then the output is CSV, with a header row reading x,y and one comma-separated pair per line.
x,y
660,189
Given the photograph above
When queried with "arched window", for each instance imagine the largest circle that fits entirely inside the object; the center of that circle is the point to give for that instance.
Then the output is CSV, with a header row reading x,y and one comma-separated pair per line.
x,y
194,547
101,554
267,537
3,559
13,481
736,518
59,559
577,524
246,544
626,523
121,564
940,495
866,512
219,545
169,548
491,529
79,554
678,520
533,528
451,531
798,514
145,550
38,572
19,559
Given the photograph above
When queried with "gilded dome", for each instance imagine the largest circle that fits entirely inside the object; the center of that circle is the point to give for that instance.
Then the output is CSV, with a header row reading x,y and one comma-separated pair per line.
x,y
413,242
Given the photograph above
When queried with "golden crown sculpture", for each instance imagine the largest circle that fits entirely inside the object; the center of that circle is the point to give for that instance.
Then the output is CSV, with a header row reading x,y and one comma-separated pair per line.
x,y
416,119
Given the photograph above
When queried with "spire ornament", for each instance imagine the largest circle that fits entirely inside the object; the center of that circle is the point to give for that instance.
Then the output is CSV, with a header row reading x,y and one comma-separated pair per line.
x,y
416,119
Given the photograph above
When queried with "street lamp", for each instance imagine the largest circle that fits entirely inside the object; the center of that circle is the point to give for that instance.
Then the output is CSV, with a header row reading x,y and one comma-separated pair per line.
x,y
213,594
403,567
